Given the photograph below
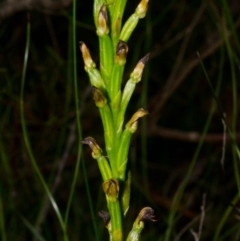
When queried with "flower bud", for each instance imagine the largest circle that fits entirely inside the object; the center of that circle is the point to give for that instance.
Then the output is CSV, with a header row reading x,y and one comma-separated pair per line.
x,y
96,150
99,98
102,21
142,8
111,189
133,123
136,75
121,52
89,64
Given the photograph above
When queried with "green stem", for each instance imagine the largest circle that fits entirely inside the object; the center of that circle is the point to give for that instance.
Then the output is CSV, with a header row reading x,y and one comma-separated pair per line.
x,y
116,220
26,139
223,220
79,131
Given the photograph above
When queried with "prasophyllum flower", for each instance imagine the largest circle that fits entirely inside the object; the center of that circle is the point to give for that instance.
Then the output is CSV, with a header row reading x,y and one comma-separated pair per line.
x,y
101,160
146,214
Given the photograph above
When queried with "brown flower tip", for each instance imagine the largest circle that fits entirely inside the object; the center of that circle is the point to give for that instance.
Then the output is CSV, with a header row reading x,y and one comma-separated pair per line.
x,y
147,213
136,75
105,217
121,52
122,48
89,141
96,150
145,59
103,12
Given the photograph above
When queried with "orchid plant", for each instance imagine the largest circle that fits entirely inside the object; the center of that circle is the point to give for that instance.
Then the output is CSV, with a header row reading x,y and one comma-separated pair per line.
x,y
112,100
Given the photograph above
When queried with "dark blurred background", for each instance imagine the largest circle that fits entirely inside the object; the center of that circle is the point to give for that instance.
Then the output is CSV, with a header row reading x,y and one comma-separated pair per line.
x,y
182,36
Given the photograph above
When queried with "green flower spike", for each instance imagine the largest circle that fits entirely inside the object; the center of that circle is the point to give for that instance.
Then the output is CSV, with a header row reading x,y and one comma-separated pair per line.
x,y
112,101
101,160
146,213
